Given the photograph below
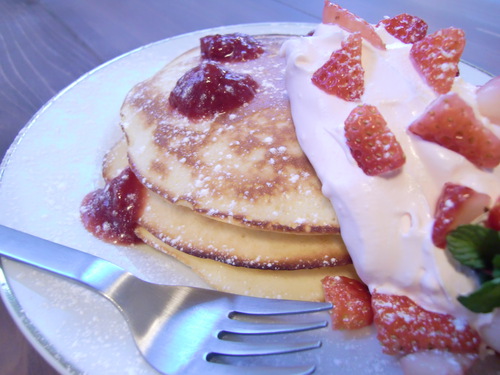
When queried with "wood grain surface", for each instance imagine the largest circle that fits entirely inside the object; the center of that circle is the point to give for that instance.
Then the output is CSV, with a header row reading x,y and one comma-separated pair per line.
x,y
47,44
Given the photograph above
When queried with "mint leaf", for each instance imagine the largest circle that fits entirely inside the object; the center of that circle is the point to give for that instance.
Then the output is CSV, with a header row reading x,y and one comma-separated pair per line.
x,y
485,299
496,266
478,247
474,246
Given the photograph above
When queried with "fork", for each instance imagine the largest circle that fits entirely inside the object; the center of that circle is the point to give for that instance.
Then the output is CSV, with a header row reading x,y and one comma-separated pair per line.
x,y
177,329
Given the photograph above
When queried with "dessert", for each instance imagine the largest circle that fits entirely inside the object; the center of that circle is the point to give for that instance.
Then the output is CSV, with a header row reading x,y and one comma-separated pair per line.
x,y
226,188
241,165
386,145
228,191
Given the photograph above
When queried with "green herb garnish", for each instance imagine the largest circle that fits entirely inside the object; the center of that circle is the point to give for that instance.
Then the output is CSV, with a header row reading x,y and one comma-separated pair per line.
x,y
478,247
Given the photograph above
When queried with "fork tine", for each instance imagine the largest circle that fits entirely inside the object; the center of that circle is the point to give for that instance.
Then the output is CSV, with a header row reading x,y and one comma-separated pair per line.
x,y
232,348
264,306
252,328
225,369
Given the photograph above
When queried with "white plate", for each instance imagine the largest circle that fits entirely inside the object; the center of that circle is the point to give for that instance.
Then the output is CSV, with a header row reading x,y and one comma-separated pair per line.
x,y
52,164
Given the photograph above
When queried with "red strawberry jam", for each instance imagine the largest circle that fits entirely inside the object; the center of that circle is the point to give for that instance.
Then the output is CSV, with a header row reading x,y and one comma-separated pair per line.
x,y
493,220
209,88
111,213
230,47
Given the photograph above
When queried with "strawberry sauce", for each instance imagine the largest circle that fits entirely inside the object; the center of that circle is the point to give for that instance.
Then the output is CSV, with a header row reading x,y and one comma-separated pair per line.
x,y
209,88
111,213
230,47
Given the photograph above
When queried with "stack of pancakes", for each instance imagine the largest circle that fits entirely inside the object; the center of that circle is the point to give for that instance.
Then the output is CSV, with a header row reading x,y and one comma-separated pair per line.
x,y
232,196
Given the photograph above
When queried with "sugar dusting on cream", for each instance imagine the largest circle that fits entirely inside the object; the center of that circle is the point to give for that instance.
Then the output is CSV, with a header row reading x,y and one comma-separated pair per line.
x,y
386,221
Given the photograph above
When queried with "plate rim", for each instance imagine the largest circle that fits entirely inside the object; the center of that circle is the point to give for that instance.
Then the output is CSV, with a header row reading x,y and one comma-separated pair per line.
x,y
13,305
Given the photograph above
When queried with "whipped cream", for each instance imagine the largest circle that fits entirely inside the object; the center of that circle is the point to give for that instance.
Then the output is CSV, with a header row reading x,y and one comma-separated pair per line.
x,y
386,222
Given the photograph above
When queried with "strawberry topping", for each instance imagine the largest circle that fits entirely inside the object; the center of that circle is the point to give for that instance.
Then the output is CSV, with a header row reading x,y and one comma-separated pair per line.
x,y
404,327
351,302
457,205
450,122
405,27
488,97
342,75
230,47
334,14
210,88
372,144
493,220
111,213
436,57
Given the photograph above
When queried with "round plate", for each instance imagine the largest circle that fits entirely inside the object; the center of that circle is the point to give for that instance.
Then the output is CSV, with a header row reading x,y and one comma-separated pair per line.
x,y
54,162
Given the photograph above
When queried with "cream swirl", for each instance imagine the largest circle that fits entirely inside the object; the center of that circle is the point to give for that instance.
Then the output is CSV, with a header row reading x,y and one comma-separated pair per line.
x,y
386,221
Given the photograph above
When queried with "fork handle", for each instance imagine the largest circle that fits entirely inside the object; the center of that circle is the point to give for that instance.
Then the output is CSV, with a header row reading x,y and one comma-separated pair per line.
x,y
84,268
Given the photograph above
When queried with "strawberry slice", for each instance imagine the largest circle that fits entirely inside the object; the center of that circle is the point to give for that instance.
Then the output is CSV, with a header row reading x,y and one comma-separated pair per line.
x,y
450,122
405,27
334,14
372,144
351,302
342,75
404,327
436,57
493,220
488,97
457,205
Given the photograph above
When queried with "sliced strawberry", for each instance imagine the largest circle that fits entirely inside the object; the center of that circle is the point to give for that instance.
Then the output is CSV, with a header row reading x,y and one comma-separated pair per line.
x,y
404,327
436,57
372,144
342,75
457,205
493,220
450,122
334,14
488,97
351,302
405,27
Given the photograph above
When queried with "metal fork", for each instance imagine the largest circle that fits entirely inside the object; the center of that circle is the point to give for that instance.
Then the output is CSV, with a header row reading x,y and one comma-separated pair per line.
x,y
178,329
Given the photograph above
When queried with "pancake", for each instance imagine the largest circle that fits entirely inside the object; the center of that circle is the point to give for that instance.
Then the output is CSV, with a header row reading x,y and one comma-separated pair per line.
x,y
244,167
201,236
297,284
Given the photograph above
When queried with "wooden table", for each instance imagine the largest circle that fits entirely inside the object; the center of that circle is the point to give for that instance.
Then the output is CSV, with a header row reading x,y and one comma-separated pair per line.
x,y
47,44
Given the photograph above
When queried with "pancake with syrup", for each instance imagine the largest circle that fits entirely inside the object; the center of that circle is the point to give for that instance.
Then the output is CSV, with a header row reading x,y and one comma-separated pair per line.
x,y
232,258
301,284
179,229
243,167
231,195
